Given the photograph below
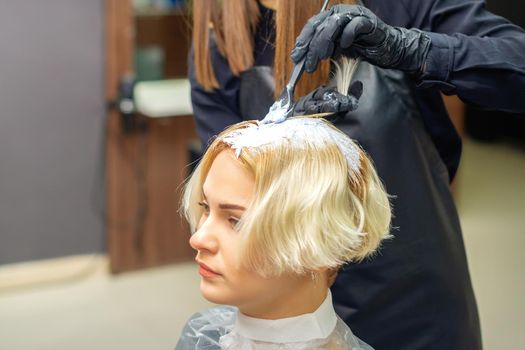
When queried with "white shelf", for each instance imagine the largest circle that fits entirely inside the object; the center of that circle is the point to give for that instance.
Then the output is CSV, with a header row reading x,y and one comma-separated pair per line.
x,y
163,98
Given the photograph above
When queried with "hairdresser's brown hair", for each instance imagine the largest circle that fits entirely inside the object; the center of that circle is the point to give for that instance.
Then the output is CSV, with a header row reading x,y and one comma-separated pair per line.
x,y
295,14
233,23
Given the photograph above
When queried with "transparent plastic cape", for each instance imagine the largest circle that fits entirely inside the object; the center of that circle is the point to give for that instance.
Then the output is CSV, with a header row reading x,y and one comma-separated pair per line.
x,y
212,329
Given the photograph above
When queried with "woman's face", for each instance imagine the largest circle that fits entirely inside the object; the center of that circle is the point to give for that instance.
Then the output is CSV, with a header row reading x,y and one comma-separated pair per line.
x,y
228,190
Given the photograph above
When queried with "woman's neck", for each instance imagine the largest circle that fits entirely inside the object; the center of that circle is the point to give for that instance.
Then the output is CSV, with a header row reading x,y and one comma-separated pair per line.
x,y
318,324
299,301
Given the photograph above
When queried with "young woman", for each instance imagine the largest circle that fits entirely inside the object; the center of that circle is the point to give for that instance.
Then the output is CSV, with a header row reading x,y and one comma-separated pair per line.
x,y
417,294
276,209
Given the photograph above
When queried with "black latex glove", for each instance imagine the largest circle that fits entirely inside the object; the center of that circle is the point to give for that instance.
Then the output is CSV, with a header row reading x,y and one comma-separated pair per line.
x,y
354,30
328,100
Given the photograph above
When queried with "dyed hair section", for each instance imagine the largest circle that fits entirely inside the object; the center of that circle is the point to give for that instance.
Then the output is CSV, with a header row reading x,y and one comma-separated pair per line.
x,y
309,209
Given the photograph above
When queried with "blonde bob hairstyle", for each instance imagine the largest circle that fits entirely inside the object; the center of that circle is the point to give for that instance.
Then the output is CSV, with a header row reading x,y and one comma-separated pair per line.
x,y
310,210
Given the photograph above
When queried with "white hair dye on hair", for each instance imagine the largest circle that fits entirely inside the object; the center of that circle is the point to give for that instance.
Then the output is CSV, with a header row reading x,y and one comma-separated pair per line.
x,y
297,133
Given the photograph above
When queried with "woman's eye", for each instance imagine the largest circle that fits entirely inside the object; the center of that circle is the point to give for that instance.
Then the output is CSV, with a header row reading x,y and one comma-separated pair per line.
x,y
205,207
233,221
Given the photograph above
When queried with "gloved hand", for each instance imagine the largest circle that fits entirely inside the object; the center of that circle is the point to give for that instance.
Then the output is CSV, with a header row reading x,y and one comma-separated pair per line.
x,y
354,30
328,100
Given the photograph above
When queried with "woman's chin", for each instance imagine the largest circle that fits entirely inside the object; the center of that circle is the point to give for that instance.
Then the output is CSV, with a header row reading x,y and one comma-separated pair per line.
x,y
215,295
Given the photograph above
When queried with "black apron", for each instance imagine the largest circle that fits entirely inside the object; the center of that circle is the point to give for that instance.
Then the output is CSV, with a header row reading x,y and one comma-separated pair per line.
x,y
416,292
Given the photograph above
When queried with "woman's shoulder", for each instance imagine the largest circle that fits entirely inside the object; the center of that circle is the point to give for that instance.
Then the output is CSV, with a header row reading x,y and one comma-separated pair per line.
x,y
342,334
215,315
204,328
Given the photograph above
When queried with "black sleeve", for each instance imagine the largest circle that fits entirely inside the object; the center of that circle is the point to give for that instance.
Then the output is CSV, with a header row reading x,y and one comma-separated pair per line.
x,y
217,109
474,53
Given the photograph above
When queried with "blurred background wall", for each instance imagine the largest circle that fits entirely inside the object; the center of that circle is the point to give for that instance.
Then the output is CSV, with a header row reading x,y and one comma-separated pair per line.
x,y
52,114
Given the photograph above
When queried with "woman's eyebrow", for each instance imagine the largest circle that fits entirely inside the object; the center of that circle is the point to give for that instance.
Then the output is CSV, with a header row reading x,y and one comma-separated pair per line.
x,y
231,206
225,205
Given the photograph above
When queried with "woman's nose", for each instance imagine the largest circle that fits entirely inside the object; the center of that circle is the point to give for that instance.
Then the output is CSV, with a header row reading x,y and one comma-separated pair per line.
x,y
204,239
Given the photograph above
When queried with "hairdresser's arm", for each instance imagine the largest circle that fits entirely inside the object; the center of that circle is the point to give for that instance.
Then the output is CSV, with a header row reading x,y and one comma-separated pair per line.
x,y
214,110
460,48
473,53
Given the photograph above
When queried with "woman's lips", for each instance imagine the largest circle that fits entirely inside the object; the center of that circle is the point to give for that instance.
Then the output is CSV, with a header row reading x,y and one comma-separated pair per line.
x,y
206,271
